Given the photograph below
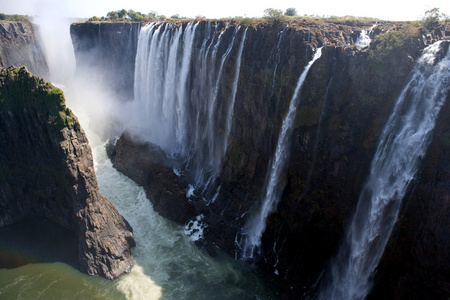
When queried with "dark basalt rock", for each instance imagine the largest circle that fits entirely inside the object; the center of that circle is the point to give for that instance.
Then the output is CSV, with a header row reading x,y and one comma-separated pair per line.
x,y
148,166
47,172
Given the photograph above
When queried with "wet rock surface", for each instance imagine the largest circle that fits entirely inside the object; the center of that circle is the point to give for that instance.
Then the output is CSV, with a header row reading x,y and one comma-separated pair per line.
x,y
345,101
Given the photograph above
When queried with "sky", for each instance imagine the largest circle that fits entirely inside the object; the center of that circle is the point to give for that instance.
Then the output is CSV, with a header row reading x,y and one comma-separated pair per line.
x,y
394,10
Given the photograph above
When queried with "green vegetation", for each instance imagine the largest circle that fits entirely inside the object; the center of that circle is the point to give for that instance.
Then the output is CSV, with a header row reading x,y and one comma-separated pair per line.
x,y
290,12
246,22
388,49
133,16
387,46
37,116
18,18
273,15
19,89
394,40
433,18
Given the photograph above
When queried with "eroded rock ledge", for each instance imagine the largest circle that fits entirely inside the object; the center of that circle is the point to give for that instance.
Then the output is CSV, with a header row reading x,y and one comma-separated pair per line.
x,y
47,172
148,165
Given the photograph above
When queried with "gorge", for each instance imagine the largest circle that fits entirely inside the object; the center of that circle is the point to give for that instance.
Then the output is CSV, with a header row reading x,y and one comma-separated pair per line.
x,y
204,106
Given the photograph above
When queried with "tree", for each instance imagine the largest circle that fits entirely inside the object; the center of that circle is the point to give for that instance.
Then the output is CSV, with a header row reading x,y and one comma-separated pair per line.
x,y
153,15
113,15
431,19
136,16
121,13
274,15
290,12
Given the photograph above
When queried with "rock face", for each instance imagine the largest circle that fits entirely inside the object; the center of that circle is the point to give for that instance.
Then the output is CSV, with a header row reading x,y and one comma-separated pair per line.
x,y
47,172
149,167
345,101
19,47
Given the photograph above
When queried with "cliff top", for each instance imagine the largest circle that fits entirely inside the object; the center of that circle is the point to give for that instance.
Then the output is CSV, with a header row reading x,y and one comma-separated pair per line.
x,y
20,86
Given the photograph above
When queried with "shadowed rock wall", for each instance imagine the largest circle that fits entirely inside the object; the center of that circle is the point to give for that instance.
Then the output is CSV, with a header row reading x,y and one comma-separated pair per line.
x,y
47,172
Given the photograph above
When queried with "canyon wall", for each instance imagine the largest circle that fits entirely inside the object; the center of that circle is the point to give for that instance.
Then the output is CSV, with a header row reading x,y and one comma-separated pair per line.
x,y
19,46
47,171
345,101
105,54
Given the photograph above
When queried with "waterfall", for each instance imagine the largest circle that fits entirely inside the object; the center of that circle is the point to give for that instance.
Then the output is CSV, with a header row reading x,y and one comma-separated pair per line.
x,y
162,65
277,57
364,39
230,110
319,128
402,144
180,79
256,224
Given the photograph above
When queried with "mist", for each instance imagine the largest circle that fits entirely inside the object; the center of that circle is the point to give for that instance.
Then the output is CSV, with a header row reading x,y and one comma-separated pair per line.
x,y
85,95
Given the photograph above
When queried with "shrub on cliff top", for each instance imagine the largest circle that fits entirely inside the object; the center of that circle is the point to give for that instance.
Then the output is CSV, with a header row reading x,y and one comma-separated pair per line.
x,y
273,15
246,22
393,49
432,18
18,18
130,15
290,12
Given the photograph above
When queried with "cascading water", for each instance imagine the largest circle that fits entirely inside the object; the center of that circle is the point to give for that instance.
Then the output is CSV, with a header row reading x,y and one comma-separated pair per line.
x,y
168,264
179,91
277,61
402,144
256,224
364,39
319,126
230,109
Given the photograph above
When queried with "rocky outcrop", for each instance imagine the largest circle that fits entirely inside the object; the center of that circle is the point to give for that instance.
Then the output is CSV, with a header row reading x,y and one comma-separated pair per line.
x,y
47,172
19,46
148,166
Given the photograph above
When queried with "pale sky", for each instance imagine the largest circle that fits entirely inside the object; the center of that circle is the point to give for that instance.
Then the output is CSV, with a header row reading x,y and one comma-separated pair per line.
x,y
395,10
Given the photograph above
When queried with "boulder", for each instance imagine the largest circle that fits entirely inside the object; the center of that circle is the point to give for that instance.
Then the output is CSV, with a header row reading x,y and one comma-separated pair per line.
x,y
148,166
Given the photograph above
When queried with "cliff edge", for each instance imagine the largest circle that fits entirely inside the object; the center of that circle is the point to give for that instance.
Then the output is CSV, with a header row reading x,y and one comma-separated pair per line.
x,y
47,172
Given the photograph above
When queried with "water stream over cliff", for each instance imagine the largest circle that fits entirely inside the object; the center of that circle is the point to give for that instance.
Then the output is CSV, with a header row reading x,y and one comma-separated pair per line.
x,y
403,143
254,228
180,87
